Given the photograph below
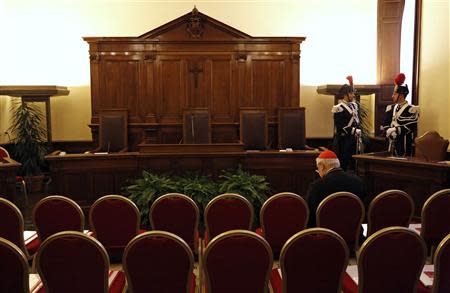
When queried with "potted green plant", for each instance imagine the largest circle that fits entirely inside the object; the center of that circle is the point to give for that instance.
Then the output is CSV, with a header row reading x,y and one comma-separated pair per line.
x,y
29,139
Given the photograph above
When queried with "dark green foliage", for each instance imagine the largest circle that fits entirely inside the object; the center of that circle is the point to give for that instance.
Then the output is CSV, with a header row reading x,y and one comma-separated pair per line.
x,y
201,189
29,138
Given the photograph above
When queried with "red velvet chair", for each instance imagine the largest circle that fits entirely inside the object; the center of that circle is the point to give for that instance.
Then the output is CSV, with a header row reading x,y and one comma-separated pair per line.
x,y
237,261
282,215
441,282
389,261
389,208
56,213
12,228
436,218
13,268
159,261
178,214
227,212
74,262
115,220
343,213
313,260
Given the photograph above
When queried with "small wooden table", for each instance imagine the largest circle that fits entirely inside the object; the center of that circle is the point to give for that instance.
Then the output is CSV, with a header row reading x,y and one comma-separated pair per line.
x,y
36,93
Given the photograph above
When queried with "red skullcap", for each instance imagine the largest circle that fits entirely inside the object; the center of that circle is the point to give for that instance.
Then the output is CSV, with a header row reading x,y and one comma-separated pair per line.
x,y
327,155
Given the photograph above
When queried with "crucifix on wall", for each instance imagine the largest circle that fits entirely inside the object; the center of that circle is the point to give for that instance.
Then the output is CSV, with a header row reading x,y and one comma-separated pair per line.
x,y
195,70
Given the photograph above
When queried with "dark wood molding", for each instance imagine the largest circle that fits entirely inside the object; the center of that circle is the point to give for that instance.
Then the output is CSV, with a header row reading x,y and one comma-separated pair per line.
x,y
417,45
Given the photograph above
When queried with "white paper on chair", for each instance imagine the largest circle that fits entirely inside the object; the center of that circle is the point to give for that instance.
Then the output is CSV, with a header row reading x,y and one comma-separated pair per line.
x,y
352,271
427,275
415,227
35,283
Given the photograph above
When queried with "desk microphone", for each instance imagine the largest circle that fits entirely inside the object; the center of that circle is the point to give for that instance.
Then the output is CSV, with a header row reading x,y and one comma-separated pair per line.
x,y
192,128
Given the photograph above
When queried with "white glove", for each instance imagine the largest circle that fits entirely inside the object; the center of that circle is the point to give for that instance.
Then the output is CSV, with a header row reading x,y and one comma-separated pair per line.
x,y
358,132
391,132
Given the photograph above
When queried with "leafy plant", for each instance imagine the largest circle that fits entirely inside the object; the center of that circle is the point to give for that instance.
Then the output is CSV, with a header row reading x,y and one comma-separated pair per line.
x,y
29,138
253,187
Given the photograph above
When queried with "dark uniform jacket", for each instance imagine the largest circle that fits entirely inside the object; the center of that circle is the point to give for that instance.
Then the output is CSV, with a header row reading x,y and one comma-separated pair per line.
x,y
346,121
404,118
334,181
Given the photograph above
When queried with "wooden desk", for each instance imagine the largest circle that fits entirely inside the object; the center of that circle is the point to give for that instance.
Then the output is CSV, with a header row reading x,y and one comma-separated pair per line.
x,y
86,177
418,178
8,172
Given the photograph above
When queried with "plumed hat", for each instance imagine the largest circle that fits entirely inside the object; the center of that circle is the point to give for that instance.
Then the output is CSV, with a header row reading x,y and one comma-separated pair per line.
x,y
399,88
347,88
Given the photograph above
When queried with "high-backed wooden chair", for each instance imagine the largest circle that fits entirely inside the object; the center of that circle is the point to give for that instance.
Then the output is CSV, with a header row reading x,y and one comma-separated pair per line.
x,y
159,261
196,126
313,260
115,220
237,261
113,130
178,214
282,215
13,268
227,212
56,213
74,262
389,261
254,129
12,228
389,208
436,218
431,147
291,128
343,213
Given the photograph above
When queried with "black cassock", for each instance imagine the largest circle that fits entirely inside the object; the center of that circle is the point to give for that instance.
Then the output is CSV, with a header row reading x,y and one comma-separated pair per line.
x,y
404,118
346,122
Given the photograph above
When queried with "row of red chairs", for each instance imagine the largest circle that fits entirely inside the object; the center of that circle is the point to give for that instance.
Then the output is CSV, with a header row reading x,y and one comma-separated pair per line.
x,y
313,260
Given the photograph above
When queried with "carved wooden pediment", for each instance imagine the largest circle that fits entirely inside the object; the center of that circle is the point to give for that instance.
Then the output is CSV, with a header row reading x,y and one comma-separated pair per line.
x,y
194,26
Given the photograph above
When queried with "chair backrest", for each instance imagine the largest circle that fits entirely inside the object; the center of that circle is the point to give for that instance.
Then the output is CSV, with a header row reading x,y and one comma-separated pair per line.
x,y
254,129
291,128
237,261
4,153
113,130
314,260
196,126
282,215
56,213
342,212
115,220
389,208
158,259
436,218
431,147
73,262
12,224
178,214
13,268
391,260
441,281
227,212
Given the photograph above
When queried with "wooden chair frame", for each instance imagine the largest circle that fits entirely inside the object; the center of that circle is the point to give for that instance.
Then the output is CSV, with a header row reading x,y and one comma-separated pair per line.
x,y
21,225
248,111
282,141
122,113
23,260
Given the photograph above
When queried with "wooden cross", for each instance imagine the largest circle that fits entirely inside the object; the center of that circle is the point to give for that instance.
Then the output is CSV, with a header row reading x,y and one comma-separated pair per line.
x,y
195,70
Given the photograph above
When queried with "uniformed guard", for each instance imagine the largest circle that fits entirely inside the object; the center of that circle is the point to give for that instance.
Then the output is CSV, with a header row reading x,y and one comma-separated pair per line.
x,y
400,123
347,124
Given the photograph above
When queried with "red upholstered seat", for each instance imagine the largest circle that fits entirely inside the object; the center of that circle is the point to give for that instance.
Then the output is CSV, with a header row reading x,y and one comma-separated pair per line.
x,y
441,282
313,260
390,261
11,227
237,261
74,262
54,214
282,215
436,218
227,212
389,208
178,214
115,220
342,212
159,261
13,268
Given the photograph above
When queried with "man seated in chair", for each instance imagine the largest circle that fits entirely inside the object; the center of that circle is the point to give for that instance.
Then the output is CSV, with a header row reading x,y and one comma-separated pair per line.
x,y
332,179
